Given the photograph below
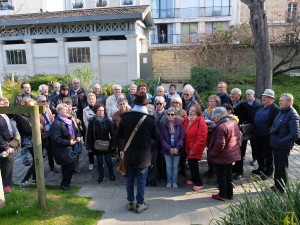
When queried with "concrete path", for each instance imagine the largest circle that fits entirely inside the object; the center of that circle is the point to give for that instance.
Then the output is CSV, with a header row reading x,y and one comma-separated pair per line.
x,y
167,206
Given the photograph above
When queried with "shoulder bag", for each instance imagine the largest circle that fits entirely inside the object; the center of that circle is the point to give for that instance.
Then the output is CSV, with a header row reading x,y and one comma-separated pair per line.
x,y
100,145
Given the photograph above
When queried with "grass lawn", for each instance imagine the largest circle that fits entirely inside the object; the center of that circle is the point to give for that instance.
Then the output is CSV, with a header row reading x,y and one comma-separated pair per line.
x,y
62,208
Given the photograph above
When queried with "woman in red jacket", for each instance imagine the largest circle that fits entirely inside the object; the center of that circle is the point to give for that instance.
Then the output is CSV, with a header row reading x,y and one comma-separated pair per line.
x,y
224,149
195,131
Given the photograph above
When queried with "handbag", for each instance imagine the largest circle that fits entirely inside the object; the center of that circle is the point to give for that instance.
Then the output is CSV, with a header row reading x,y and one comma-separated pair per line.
x,y
122,165
77,148
100,145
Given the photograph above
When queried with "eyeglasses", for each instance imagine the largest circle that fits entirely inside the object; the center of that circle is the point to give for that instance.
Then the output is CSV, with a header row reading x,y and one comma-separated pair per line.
x,y
100,110
158,103
185,94
169,114
43,101
175,102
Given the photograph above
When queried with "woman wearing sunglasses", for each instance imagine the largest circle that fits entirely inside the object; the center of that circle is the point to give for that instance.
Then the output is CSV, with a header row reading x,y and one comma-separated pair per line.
x,y
172,137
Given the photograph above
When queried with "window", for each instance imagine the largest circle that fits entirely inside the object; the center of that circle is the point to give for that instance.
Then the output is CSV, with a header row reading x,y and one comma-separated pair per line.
x,y
126,2
217,7
6,5
16,57
292,11
77,4
79,55
211,27
101,3
163,9
189,32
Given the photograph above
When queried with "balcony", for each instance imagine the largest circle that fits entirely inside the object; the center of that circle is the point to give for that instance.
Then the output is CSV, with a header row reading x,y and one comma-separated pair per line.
x,y
77,5
127,2
192,38
293,19
102,3
192,12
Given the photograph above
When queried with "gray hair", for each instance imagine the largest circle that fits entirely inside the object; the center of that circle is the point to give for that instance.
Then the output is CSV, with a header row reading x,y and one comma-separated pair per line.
x,y
250,91
176,98
122,100
160,88
56,84
121,96
288,97
97,86
237,90
133,85
117,86
91,94
75,79
61,106
160,99
43,86
219,112
188,88
172,109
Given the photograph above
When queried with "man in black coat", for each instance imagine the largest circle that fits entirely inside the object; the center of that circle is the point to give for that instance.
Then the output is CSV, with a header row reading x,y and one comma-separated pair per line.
x,y
138,154
26,88
284,132
222,93
63,94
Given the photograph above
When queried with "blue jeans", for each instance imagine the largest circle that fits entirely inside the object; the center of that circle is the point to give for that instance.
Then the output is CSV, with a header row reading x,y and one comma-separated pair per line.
x,y
108,162
141,176
172,168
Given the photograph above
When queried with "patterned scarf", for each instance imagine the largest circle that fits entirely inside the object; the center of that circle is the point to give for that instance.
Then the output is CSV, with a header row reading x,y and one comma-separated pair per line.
x,y
171,127
70,126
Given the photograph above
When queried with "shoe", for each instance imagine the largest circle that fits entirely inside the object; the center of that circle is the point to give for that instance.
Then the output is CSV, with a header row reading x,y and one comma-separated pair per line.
x,y
189,182
169,185
130,206
254,162
197,188
55,170
265,176
141,207
64,188
7,189
175,185
112,178
100,180
229,198
218,197
238,176
24,185
91,167
258,172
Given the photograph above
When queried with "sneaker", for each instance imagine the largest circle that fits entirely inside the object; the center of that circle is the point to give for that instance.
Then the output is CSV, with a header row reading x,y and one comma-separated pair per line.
x,y
218,197
197,188
64,189
141,207
189,182
169,185
175,185
7,189
130,206
24,185
91,167
254,162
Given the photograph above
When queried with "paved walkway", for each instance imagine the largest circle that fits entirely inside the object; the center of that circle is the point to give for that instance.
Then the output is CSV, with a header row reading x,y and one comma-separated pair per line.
x,y
167,206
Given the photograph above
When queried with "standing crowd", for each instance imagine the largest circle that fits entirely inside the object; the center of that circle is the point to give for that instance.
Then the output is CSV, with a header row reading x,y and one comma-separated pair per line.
x,y
159,135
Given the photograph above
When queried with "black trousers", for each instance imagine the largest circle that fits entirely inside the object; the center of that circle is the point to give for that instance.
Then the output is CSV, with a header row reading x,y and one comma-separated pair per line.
x,y
50,154
6,168
224,176
281,164
195,173
31,170
67,172
264,154
152,172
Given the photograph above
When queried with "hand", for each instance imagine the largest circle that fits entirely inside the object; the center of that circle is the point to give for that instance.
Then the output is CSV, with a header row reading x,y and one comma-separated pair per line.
x,y
10,151
72,142
175,150
78,139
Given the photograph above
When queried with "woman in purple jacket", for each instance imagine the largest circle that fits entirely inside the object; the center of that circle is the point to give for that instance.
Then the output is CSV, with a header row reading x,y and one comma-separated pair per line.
x,y
172,136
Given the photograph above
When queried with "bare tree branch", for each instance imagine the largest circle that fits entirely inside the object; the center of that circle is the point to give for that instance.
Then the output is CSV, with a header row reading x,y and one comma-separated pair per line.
x,y
285,70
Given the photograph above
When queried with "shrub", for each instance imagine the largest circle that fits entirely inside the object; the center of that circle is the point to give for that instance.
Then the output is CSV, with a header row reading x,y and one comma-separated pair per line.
x,y
107,89
85,75
204,78
48,79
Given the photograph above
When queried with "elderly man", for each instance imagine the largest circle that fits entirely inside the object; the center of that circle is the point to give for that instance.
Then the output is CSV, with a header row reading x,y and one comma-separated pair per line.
x,y
138,154
26,88
56,88
222,93
112,99
100,98
44,90
263,121
64,93
283,133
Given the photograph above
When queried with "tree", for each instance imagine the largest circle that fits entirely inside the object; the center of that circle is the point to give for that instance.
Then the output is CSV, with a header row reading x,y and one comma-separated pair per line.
x,y
259,28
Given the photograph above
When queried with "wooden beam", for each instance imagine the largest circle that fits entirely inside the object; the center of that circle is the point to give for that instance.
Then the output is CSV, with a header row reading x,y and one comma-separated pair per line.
x,y
20,109
2,198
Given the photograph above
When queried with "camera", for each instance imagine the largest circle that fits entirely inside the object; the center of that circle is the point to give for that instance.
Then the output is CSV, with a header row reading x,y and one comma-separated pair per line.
x,y
79,92
273,131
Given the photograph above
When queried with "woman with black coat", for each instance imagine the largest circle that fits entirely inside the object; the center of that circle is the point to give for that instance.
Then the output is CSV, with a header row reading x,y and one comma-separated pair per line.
x,y
64,136
101,128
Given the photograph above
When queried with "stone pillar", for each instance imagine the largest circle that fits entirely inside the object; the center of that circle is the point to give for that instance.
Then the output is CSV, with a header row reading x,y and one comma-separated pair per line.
x,y
61,55
29,56
144,46
133,58
95,59
2,61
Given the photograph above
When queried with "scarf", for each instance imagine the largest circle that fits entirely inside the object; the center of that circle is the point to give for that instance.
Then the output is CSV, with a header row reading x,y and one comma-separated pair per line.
x,y
70,126
171,127
140,108
91,107
188,103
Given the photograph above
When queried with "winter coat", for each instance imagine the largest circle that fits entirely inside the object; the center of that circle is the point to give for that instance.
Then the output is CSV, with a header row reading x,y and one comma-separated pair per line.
x,y
60,140
44,121
100,130
287,126
195,137
166,137
5,137
224,145
80,102
88,113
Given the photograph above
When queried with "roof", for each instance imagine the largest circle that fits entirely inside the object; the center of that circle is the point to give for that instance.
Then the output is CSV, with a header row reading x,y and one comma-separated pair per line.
x,y
110,13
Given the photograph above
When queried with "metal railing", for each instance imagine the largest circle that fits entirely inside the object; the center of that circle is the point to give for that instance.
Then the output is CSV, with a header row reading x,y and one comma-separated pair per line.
x,y
191,38
191,12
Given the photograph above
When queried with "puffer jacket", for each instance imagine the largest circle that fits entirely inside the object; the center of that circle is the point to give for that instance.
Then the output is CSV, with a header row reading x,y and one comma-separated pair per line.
x,y
287,125
224,145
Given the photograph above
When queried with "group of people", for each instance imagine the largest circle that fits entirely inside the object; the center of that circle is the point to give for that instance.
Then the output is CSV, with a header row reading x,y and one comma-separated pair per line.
x,y
157,134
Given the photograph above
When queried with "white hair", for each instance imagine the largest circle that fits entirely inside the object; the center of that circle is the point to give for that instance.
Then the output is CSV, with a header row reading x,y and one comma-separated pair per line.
x,y
75,79
43,86
237,90
56,84
117,86
219,112
250,91
160,88
97,86
288,97
188,88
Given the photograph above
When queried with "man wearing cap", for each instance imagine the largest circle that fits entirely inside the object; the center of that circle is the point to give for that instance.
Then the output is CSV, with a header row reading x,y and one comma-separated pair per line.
x,y
283,133
138,154
263,121
63,93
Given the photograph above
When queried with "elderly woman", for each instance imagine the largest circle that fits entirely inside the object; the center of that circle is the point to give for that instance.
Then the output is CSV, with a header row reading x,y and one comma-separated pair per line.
x,y
100,128
64,136
123,107
115,107
88,113
24,126
131,94
195,130
189,98
176,102
100,98
172,138
224,149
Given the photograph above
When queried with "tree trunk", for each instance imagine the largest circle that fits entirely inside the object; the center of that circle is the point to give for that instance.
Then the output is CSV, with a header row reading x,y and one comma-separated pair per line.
x,y
259,28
